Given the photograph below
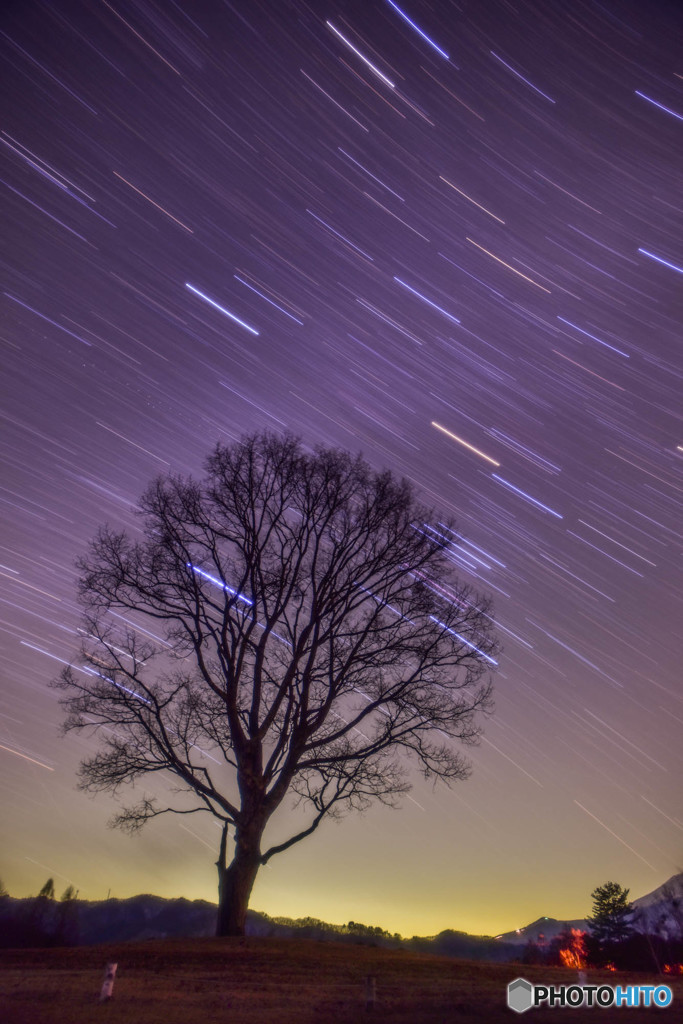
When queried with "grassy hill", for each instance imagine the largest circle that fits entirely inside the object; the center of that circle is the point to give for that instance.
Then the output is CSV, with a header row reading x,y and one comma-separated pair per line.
x,y
278,981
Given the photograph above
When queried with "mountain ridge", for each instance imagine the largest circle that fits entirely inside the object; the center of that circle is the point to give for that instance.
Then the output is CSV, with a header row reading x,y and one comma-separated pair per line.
x,y
142,917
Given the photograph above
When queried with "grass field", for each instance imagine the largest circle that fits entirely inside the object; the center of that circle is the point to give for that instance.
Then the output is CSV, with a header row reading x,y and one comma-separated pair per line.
x,y
275,981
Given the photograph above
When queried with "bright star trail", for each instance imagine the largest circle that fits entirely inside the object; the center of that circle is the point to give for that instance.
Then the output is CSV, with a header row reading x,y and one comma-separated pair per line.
x,y
465,444
445,235
221,309
415,28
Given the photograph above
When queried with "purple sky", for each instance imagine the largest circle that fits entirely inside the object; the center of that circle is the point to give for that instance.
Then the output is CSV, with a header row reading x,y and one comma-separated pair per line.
x,y
447,235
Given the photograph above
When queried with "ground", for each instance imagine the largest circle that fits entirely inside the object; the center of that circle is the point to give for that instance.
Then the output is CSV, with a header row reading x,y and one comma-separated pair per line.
x,y
275,981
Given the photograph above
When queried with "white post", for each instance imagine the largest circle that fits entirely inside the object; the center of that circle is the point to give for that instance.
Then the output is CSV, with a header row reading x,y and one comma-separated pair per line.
x,y
370,992
582,977
108,983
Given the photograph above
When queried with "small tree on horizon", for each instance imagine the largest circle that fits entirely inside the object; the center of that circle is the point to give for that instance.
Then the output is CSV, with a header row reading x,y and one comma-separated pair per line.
x,y
40,914
66,928
288,626
48,890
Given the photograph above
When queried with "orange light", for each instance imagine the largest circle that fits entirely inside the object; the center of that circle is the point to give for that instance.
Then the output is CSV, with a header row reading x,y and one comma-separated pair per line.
x,y
575,954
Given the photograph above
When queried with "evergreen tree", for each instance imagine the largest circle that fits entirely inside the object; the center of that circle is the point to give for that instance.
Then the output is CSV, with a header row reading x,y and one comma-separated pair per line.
x,y
48,890
610,921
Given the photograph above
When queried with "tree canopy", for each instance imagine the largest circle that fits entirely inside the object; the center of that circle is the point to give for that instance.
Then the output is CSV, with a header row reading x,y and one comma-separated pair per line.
x,y
290,625
612,913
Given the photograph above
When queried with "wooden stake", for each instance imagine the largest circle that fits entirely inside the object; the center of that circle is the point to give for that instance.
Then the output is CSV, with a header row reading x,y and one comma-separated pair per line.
x,y
108,983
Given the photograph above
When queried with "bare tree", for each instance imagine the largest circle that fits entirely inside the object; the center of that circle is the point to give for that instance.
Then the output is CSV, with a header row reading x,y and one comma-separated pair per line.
x,y
293,619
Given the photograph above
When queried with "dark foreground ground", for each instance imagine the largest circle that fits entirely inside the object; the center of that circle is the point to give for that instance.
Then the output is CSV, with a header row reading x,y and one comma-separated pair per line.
x,y
275,981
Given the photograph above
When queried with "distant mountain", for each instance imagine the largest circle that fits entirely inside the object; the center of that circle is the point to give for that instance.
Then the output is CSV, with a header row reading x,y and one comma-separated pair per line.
x,y
465,947
113,920
27,922
540,932
661,911
38,922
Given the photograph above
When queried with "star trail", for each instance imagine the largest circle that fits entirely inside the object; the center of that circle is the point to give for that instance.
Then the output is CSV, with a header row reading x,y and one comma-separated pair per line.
x,y
445,235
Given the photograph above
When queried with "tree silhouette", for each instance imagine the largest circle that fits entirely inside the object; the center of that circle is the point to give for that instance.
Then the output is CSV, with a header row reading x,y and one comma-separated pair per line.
x,y
40,914
66,926
48,890
612,913
291,618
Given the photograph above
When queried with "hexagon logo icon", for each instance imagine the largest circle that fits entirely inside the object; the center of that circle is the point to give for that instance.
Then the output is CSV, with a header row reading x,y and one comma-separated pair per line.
x,y
520,995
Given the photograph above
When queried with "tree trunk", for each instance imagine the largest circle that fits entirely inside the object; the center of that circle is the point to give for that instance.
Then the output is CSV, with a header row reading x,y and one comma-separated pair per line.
x,y
235,882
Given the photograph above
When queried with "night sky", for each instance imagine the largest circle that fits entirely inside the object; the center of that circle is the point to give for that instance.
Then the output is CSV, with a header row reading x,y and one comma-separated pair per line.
x,y
445,234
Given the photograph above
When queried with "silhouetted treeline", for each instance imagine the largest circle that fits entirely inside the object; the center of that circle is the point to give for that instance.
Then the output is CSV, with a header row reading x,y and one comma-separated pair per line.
x,y
44,920
40,920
